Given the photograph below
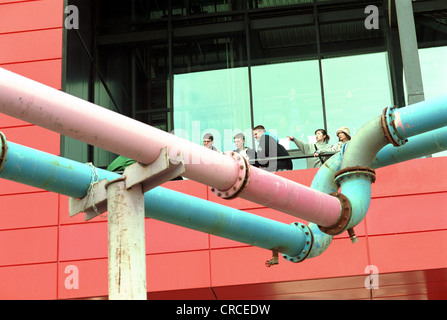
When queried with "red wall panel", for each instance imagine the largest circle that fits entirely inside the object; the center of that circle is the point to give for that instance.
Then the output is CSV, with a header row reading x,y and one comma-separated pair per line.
x,y
7,121
48,72
34,137
83,241
410,251
30,15
409,213
29,282
26,246
31,46
166,237
247,265
411,177
18,213
173,271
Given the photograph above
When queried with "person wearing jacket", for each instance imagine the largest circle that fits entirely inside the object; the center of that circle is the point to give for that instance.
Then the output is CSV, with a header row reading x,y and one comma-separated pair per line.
x,y
239,141
268,146
344,136
317,149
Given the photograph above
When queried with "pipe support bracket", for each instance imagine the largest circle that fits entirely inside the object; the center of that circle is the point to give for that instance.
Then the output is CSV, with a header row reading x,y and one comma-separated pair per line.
x,y
307,247
241,181
389,122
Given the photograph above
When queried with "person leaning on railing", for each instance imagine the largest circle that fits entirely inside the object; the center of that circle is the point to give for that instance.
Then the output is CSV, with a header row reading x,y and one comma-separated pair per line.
x,y
318,148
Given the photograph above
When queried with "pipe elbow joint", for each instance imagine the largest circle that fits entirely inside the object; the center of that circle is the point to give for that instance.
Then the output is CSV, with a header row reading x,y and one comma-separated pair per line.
x,y
355,185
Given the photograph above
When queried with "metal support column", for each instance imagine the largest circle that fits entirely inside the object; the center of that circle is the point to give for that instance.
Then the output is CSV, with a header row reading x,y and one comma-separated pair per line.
x,y
126,242
125,201
409,49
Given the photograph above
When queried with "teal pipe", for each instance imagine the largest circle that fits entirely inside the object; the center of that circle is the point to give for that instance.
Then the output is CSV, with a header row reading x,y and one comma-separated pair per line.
x,y
60,175
418,146
355,179
324,182
419,117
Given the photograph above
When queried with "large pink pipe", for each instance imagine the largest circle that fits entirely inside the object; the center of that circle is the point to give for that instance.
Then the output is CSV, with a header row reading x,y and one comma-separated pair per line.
x,y
275,191
36,103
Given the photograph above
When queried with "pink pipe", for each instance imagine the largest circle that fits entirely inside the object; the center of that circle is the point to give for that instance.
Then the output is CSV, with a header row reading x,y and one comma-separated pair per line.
x,y
274,191
44,106
36,103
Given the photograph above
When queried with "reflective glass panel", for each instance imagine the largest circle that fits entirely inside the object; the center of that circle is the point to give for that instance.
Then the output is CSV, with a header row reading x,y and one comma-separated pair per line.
x,y
287,101
356,89
215,102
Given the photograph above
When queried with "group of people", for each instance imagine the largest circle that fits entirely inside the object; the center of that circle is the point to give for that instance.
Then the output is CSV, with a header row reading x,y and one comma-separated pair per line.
x,y
322,146
269,147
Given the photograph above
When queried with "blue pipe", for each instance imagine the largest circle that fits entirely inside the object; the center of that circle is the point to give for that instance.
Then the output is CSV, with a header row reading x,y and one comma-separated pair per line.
x,y
356,175
57,174
419,117
324,182
418,146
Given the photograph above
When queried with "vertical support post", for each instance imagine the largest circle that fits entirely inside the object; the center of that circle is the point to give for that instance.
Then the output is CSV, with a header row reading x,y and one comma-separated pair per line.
x,y
409,49
127,250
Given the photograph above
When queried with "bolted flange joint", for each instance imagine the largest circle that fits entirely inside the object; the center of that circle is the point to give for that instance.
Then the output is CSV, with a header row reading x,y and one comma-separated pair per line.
x,y
345,216
389,122
346,173
241,181
3,150
307,244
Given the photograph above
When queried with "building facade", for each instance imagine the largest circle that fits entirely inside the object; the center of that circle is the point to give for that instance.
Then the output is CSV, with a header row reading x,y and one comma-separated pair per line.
x,y
189,67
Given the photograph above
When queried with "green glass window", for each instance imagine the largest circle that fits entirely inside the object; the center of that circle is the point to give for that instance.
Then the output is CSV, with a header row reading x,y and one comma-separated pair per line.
x,y
216,102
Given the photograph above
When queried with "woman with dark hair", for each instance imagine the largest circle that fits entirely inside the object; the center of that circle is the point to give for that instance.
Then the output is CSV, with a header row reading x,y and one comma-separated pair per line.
x,y
317,149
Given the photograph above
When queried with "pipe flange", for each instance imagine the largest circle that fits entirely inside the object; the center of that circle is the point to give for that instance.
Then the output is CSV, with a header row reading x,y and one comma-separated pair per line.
x,y
241,181
346,173
343,220
389,127
307,244
4,150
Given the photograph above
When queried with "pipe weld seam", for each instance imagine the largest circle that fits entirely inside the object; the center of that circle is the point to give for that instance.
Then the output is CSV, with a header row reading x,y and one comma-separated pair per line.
x,y
241,181
345,216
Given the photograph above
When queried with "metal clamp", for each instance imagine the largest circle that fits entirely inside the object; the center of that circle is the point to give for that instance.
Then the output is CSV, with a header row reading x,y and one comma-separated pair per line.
x,y
307,244
389,127
241,181
345,216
